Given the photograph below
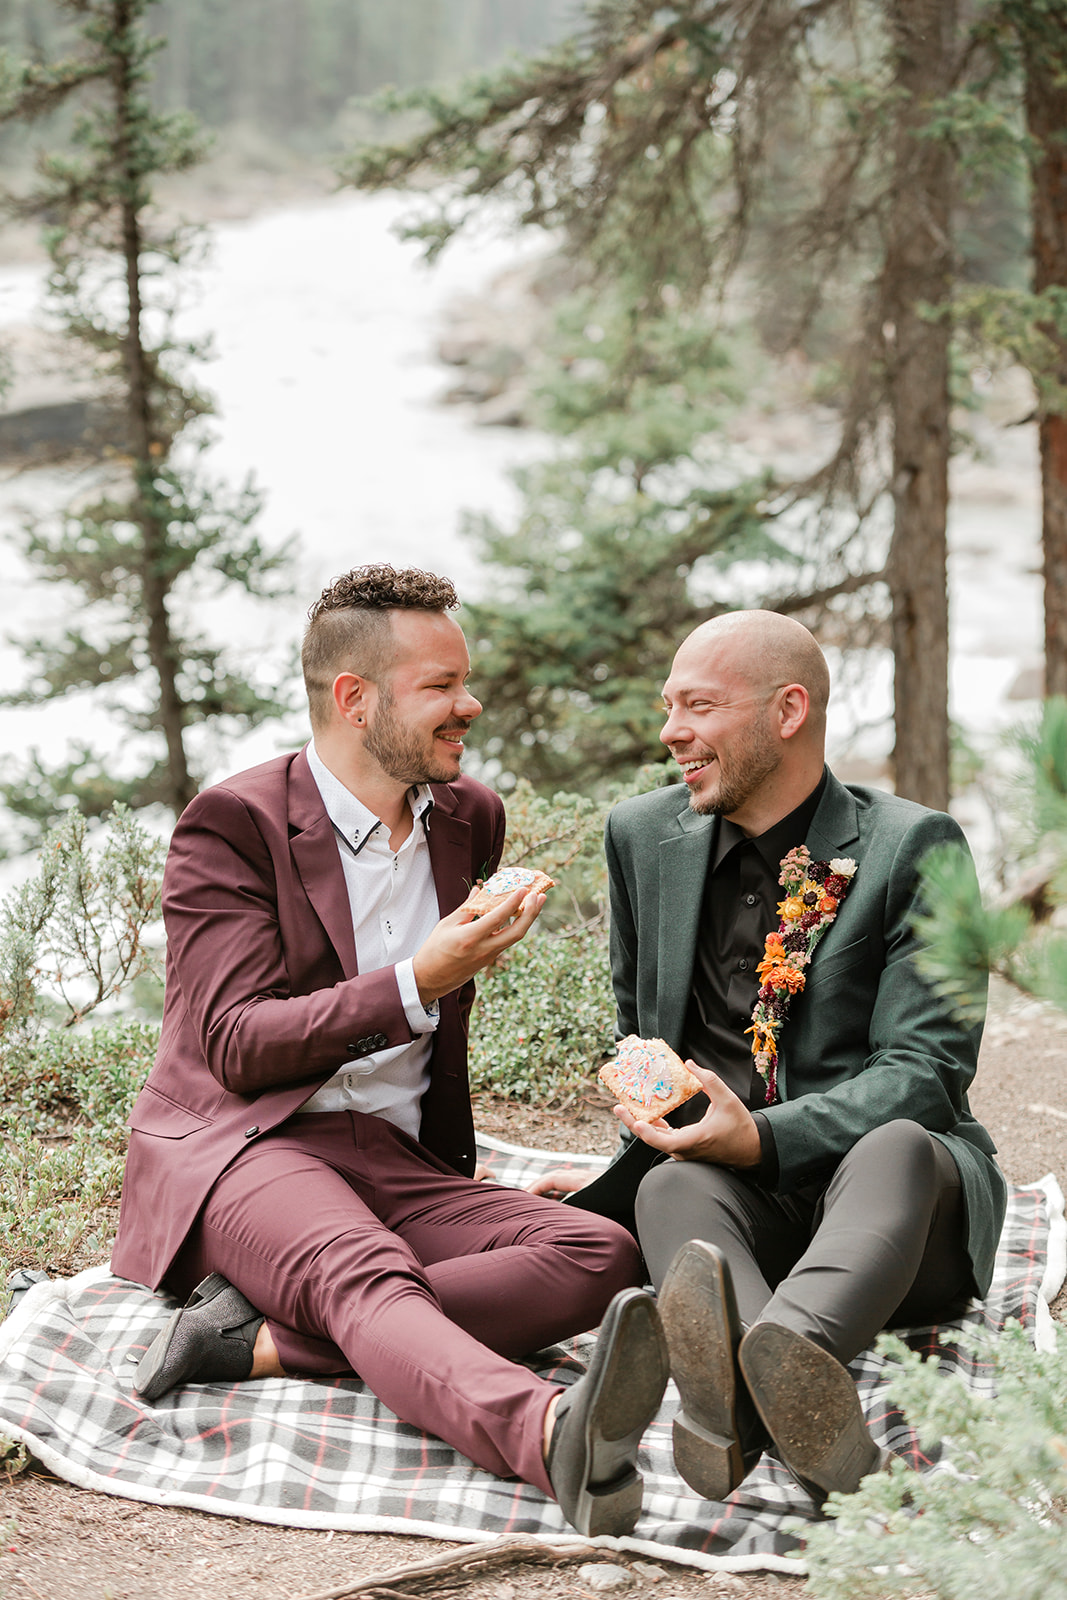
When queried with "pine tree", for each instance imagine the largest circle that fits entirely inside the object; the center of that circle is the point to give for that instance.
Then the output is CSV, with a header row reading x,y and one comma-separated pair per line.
x,y
592,588
818,141
1040,27
157,529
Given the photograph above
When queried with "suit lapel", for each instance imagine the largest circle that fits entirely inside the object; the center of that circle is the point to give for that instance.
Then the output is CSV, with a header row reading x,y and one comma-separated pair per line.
x,y
835,823
683,866
834,827
449,839
314,851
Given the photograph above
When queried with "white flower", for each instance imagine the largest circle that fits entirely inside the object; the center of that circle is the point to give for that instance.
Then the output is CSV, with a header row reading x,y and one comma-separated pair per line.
x,y
844,866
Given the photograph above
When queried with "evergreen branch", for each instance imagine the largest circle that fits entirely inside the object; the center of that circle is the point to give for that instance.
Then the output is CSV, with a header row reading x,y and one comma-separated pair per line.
x,y
789,604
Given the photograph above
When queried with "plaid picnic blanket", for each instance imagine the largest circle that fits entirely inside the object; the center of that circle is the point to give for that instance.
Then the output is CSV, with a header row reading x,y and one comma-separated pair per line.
x,y
325,1454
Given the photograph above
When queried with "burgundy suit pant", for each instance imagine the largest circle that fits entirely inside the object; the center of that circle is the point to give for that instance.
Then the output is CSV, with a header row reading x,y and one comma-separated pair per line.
x,y
366,1254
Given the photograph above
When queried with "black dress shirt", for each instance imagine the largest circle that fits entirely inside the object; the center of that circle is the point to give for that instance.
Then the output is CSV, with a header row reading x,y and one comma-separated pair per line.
x,y
740,908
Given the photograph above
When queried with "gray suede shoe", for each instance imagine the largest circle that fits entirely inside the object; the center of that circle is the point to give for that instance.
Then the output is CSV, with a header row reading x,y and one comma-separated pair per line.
x,y
809,1404
209,1340
592,1459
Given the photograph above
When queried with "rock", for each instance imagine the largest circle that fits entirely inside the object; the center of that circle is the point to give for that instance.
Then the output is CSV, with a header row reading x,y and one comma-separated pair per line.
x,y
649,1572
603,1578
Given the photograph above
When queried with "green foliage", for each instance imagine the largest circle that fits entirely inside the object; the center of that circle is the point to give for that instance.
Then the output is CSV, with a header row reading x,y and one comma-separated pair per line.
x,y
591,595
670,146
1021,940
963,939
992,1523
1016,325
84,1081
77,933
154,533
593,588
76,936
544,1018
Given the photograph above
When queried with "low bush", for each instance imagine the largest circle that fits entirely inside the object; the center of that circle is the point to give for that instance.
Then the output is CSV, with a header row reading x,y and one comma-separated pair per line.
x,y
990,1523
544,1018
76,936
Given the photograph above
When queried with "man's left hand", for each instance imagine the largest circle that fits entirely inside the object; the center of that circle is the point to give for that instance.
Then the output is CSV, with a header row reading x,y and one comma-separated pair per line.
x,y
726,1134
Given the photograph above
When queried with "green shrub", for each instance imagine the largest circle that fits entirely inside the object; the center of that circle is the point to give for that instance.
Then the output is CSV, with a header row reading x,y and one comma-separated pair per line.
x,y
76,936
544,1018
90,1076
59,1200
990,1526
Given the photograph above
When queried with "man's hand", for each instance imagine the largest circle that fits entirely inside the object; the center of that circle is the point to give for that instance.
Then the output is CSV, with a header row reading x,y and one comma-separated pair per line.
x,y
463,944
726,1134
559,1181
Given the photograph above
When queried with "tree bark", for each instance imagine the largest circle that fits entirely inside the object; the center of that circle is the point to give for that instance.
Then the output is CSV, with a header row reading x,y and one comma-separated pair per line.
x,y
916,280
154,581
1044,41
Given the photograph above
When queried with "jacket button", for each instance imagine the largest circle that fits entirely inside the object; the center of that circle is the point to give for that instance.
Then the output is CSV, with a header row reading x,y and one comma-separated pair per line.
x,y
250,1133
379,1041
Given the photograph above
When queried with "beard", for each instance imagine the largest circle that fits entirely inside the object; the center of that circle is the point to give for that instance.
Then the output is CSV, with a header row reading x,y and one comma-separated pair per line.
x,y
404,754
754,757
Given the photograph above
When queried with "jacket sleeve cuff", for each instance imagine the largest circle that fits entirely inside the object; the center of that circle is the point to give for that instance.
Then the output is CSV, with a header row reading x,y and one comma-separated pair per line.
x,y
767,1172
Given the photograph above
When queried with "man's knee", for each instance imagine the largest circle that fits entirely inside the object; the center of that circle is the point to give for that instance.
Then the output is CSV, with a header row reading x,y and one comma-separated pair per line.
x,y
901,1148
611,1249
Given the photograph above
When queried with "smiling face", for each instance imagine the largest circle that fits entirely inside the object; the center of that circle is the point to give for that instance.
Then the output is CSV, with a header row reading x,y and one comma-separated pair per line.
x,y
422,707
722,729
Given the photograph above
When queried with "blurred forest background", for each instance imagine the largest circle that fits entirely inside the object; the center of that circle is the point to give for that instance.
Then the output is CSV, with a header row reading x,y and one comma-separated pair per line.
x,y
290,68
856,209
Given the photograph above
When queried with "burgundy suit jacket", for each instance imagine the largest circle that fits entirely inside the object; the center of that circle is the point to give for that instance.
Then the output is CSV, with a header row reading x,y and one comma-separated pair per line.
x,y
263,998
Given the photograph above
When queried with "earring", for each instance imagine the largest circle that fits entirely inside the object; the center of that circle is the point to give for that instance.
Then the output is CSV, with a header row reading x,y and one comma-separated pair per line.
x,y
359,720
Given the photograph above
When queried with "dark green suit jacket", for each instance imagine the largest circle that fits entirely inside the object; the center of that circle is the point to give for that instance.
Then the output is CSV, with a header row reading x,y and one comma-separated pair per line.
x,y
866,1042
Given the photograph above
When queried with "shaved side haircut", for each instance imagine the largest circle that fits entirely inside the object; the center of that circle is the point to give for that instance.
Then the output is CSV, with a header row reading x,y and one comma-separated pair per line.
x,y
349,627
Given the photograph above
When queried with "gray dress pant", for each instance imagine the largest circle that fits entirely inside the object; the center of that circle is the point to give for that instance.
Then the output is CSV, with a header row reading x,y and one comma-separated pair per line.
x,y
881,1244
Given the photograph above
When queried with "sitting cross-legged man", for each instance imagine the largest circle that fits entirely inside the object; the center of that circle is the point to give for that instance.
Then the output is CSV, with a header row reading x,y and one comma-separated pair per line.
x,y
302,1159
831,1181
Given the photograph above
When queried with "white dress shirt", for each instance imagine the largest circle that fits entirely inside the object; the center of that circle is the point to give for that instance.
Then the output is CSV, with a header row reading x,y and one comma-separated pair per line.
x,y
394,908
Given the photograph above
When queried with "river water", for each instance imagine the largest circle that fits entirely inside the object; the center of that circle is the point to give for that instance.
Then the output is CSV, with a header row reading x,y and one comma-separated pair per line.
x,y
327,389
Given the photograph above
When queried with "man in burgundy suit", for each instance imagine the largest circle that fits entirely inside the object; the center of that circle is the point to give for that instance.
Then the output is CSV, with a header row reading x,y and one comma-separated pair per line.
x,y
304,1143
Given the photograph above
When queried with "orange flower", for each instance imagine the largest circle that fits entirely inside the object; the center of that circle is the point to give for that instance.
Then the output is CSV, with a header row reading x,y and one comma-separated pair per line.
x,y
782,977
791,909
827,905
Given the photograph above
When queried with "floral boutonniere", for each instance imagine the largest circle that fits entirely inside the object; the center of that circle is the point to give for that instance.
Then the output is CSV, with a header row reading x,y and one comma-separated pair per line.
x,y
813,892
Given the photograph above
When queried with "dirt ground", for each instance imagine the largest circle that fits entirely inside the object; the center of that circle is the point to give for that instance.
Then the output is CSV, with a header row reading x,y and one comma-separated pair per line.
x,y
62,1543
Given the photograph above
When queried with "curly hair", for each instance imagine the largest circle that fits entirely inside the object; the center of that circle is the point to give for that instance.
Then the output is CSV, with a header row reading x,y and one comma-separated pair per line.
x,y
349,629
386,588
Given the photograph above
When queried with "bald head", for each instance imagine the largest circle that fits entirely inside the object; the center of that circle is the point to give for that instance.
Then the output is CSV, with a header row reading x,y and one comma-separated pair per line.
x,y
746,716
768,651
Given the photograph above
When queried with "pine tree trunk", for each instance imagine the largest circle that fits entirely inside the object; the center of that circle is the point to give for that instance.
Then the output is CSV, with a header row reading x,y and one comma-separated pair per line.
x,y
155,583
917,274
1046,120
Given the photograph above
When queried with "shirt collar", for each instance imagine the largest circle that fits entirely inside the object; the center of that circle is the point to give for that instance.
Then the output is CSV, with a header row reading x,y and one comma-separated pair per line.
x,y
352,819
778,840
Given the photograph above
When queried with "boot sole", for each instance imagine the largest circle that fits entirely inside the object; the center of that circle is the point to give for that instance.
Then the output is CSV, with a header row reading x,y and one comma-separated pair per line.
x,y
628,1375
810,1407
703,1331
147,1380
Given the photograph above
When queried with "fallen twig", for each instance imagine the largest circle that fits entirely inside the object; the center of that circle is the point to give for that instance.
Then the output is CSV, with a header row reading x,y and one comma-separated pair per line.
x,y
470,1558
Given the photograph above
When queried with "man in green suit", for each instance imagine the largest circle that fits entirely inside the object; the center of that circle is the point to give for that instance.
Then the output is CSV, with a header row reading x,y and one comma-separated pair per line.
x,y
792,1224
